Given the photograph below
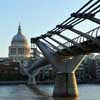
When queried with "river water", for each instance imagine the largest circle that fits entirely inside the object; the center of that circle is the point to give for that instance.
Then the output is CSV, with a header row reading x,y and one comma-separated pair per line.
x,y
22,92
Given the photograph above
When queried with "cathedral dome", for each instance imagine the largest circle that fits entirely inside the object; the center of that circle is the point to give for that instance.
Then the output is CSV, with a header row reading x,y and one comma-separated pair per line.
x,y
19,48
19,37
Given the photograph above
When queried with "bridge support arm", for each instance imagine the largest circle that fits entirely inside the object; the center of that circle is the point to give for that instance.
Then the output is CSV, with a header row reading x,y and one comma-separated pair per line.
x,y
52,58
38,64
65,82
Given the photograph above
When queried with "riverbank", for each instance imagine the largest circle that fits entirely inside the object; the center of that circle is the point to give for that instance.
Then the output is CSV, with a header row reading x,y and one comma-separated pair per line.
x,y
78,82
12,82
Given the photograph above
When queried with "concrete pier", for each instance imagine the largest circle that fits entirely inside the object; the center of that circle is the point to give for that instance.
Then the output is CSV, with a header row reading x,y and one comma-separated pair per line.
x,y
65,85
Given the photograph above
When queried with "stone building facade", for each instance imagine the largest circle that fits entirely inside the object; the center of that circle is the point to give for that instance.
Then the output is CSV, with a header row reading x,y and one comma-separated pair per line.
x,y
19,49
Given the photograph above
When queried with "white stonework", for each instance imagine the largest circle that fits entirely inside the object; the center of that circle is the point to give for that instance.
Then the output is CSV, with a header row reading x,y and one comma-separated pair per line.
x,y
19,49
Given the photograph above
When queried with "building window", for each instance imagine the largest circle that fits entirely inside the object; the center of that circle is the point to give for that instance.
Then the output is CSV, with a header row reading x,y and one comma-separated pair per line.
x,y
20,51
13,51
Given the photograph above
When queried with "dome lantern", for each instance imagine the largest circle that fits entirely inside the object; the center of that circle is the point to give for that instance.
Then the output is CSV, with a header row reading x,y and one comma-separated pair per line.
x,y
19,29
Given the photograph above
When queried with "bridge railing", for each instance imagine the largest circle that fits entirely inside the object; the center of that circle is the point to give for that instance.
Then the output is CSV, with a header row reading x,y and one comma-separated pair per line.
x,y
94,33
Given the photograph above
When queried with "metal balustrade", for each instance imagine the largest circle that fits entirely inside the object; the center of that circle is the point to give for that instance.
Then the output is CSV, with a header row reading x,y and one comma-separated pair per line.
x,y
94,33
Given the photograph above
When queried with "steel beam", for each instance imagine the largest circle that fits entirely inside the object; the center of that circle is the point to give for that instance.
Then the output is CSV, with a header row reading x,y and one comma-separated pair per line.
x,y
95,20
51,44
58,42
84,6
86,16
82,34
70,27
65,47
69,40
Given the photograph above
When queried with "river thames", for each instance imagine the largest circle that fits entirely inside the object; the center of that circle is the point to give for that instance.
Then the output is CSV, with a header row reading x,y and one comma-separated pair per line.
x,y
22,92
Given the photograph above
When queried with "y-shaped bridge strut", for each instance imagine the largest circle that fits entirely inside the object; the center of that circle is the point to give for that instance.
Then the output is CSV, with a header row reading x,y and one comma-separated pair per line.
x,y
65,82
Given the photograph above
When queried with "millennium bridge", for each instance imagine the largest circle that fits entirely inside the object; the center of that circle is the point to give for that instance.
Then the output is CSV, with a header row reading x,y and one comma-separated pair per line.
x,y
57,47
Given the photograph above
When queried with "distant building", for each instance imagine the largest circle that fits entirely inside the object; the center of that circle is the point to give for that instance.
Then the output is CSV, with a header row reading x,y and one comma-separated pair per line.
x,y
98,66
10,71
19,49
35,53
87,70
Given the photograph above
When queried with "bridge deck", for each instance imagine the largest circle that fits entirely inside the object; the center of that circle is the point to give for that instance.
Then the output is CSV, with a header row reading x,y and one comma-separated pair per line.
x,y
87,47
